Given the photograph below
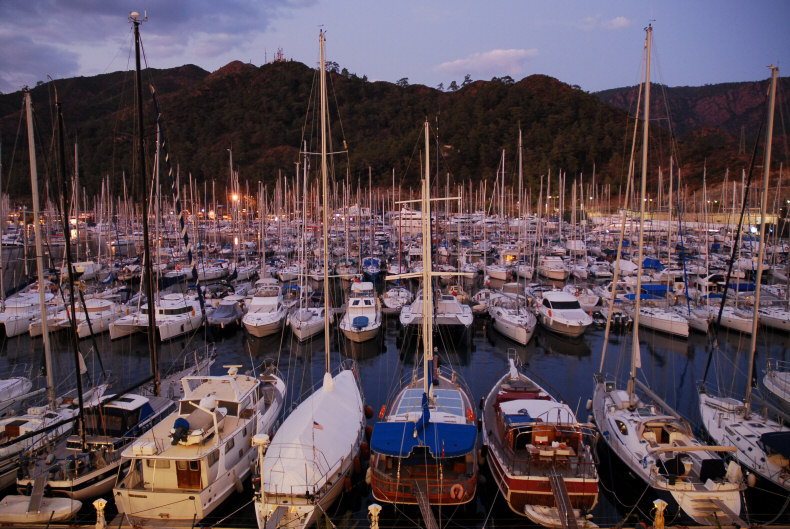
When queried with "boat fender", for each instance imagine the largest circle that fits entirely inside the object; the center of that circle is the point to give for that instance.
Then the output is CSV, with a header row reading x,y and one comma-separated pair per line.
x,y
456,491
481,403
368,475
238,485
368,412
364,450
347,483
588,406
368,432
357,465
381,412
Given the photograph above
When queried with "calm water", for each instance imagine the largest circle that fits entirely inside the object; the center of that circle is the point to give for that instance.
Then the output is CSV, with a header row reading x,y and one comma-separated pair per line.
x,y
673,368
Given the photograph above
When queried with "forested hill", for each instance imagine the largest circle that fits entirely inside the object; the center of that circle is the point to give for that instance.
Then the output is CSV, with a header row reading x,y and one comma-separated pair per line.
x,y
260,112
727,114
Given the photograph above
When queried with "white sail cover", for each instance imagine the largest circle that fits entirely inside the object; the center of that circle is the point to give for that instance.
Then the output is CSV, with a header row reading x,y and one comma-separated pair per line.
x,y
312,442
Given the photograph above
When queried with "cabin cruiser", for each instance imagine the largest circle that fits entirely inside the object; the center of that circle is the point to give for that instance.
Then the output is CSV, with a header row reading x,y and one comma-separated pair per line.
x,y
266,313
561,312
189,463
362,319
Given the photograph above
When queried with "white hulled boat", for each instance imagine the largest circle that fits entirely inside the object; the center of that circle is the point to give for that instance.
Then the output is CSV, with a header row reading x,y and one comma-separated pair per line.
x,y
304,468
561,312
265,311
362,319
190,462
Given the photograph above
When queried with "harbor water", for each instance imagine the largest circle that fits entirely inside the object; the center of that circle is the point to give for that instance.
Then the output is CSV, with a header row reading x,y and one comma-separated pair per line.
x,y
672,367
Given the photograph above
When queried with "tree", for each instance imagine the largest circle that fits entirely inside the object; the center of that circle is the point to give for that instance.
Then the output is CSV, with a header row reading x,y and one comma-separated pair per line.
x,y
344,73
403,82
440,86
467,80
453,86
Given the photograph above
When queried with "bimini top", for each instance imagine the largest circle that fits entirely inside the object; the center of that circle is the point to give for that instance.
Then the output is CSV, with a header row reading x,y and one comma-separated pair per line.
x,y
442,439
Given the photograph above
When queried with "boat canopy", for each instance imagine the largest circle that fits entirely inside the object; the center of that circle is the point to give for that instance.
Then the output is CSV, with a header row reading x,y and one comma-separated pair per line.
x,y
442,439
777,442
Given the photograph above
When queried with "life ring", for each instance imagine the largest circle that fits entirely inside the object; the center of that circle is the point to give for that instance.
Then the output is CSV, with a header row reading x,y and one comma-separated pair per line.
x,y
456,491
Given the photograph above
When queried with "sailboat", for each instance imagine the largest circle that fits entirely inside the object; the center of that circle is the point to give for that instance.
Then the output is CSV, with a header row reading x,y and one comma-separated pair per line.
x,y
304,466
656,444
424,450
40,424
761,443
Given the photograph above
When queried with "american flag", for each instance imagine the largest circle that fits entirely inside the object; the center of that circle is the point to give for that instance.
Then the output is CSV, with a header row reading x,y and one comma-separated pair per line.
x,y
317,426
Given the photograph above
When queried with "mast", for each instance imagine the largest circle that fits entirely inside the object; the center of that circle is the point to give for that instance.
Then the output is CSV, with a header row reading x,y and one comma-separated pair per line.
x,y
328,383
134,18
760,254
636,361
39,252
427,286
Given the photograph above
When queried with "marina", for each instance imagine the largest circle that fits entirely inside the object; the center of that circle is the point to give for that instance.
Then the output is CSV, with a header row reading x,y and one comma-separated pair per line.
x,y
319,353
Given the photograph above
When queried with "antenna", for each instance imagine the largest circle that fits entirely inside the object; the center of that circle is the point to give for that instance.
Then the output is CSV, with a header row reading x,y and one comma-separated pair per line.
x,y
134,16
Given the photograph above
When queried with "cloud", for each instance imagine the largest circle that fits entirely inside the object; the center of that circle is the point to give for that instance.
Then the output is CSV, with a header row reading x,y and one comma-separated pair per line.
x,y
67,37
489,63
598,22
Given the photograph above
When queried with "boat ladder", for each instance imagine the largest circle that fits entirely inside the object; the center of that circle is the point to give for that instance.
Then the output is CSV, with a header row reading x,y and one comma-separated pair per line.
x,y
425,507
273,521
37,493
719,512
562,501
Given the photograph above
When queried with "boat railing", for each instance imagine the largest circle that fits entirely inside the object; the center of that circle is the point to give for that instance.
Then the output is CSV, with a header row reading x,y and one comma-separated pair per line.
x,y
532,460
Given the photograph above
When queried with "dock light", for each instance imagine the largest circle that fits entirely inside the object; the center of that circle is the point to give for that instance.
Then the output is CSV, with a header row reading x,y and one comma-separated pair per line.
x,y
235,197
235,241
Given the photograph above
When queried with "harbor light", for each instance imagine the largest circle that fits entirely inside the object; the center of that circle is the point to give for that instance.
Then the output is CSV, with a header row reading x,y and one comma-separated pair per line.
x,y
235,197
235,241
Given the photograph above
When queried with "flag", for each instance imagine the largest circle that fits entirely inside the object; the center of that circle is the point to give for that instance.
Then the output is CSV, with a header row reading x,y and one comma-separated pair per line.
x,y
317,426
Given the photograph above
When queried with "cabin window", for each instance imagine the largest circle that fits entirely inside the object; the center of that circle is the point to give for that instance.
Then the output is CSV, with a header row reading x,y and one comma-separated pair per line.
x,y
231,407
212,458
622,427
157,463
187,407
229,445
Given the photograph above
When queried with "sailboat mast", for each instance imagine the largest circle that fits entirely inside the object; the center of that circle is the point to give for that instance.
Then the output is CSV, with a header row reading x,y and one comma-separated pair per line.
x,y
39,252
325,198
148,276
427,286
761,253
636,361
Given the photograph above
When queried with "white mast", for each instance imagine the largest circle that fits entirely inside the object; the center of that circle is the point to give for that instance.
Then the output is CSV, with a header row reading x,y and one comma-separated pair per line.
x,y
328,382
39,253
760,254
427,286
636,360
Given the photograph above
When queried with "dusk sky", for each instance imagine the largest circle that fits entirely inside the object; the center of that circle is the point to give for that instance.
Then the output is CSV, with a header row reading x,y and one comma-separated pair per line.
x,y
593,44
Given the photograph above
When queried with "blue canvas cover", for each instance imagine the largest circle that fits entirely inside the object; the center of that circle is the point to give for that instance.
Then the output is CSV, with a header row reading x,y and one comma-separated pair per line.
x,y
442,439
654,264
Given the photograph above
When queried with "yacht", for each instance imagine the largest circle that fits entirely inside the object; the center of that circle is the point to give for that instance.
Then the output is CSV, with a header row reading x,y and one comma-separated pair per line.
x,y
450,315
176,315
362,319
553,267
266,313
561,312
395,298
21,309
511,317
189,463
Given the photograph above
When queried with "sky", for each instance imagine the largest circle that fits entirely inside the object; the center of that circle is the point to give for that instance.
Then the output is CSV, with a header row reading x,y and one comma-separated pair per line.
x,y
595,44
